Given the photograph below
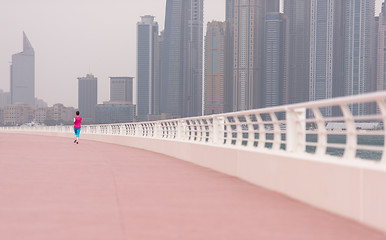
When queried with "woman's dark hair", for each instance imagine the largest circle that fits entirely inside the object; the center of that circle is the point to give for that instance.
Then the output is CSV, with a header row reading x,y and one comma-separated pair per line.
x,y
77,113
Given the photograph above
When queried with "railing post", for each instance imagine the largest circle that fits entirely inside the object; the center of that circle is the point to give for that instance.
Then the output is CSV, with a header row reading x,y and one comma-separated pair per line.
x,y
351,135
180,130
276,135
137,130
218,130
322,132
296,130
155,129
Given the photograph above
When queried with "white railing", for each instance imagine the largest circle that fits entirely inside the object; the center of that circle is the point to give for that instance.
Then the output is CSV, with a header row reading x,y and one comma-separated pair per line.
x,y
298,128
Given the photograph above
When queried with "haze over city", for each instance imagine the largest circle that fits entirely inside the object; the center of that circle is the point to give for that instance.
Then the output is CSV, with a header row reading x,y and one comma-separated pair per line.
x,y
73,38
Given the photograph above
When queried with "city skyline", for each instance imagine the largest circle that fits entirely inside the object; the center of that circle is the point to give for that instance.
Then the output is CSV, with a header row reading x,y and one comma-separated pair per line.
x,y
80,37
54,69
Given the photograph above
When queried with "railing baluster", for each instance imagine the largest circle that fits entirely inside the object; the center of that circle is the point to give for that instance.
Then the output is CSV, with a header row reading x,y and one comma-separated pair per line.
x,y
322,132
277,134
351,134
296,130
382,108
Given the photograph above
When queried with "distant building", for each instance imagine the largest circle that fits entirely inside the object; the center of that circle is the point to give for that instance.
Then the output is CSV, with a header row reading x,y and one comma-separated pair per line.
x,y
248,73
158,73
359,26
229,55
40,103
40,115
229,9
5,98
322,48
87,97
147,33
17,114
23,75
326,56
62,114
160,117
1,116
56,115
182,59
115,112
121,89
276,60
381,69
214,81
298,16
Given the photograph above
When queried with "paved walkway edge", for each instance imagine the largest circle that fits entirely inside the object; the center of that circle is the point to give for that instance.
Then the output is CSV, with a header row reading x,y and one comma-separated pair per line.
x,y
351,190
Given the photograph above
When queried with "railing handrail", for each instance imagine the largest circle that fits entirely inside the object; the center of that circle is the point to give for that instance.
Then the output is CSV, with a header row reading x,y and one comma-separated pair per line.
x,y
281,128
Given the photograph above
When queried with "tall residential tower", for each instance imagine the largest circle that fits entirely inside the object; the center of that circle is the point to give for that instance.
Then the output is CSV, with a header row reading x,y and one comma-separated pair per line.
x,y
359,22
381,69
298,15
276,60
248,23
146,66
182,58
214,89
23,75
326,55
87,97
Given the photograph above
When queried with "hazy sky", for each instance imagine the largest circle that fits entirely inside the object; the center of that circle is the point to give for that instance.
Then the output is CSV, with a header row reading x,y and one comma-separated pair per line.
x,y
74,37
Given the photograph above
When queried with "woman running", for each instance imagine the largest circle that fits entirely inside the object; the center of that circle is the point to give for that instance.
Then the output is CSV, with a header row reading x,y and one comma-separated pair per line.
x,y
77,122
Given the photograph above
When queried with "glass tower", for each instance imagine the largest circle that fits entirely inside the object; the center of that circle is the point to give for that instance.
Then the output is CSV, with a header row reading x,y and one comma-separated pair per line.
x,y
359,22
23,75
146,66
182,58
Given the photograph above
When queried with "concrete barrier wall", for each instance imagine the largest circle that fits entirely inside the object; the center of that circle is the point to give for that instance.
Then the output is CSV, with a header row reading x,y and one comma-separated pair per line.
x,y
353,190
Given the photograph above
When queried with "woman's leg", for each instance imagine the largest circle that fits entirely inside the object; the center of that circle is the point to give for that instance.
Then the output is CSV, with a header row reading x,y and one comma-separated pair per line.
x,y
77,135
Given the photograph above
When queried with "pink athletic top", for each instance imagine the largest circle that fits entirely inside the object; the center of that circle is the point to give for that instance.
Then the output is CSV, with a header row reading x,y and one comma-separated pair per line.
x,y
77,122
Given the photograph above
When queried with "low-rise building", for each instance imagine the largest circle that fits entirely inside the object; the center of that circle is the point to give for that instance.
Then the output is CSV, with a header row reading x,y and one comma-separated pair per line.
x,y
114,112
59,114
40,115
5,98
17,114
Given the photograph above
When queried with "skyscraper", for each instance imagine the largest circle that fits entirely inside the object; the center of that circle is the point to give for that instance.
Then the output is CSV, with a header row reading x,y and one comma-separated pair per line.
x,y
229,55
272,6
338,53
171,96
275,52
23,75
214,89
381,69
87,97
229,9
248,25
321,49
158,74
298,15
193,55
121,89
359,22
325,17
146,65
182,59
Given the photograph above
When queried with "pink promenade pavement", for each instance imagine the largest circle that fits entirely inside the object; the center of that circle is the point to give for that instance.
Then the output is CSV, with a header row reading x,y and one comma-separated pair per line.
x,y
51,189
